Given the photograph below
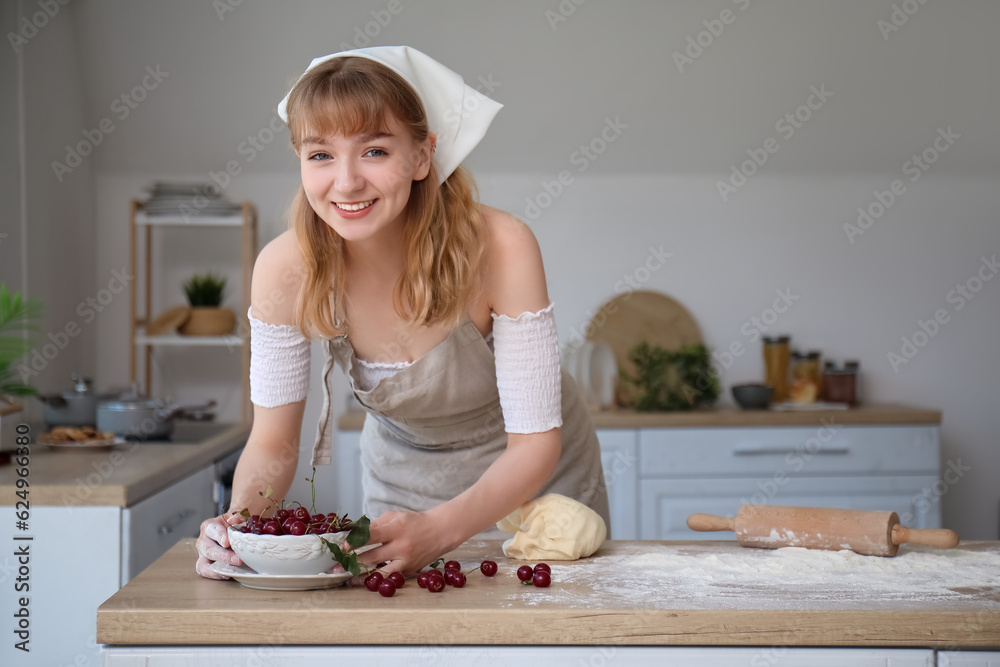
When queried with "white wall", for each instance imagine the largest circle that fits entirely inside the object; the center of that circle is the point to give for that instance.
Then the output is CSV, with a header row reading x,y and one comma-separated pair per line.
x,y
50,222
656,184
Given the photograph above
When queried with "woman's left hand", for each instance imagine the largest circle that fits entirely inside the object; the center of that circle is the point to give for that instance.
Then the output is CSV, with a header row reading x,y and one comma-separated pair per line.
x,y
409,541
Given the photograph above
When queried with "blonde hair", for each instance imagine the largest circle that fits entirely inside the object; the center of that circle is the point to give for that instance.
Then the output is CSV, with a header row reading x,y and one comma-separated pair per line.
x,y
444,232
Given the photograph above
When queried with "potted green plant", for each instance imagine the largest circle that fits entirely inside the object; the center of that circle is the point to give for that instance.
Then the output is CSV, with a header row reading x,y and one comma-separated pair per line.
x,y
208,317
668,380
17,316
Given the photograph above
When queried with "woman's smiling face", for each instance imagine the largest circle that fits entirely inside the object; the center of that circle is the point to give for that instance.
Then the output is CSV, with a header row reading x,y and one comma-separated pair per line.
x,y
360,184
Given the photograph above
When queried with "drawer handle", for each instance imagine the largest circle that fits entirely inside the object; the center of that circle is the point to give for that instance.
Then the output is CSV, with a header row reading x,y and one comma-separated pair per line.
x,y
779,451
169,527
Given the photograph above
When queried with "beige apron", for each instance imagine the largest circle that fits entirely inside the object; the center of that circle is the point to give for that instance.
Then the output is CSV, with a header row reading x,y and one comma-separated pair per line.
x,y
434,427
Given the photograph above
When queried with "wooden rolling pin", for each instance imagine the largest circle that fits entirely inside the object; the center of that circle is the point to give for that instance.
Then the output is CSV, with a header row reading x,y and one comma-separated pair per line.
x,y
861,531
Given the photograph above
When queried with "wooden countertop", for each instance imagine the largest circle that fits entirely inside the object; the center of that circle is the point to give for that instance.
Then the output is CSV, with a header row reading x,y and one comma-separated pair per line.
x,y
871,415
621,595
124,474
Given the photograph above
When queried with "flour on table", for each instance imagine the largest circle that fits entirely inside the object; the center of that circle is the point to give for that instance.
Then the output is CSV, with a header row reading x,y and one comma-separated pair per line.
x,y
727,576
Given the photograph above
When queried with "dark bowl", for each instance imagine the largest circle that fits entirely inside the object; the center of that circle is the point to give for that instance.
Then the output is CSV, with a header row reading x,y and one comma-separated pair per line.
x,y
753,396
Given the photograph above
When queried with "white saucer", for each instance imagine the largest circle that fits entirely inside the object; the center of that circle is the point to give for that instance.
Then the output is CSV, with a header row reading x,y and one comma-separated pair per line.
x,y
279,582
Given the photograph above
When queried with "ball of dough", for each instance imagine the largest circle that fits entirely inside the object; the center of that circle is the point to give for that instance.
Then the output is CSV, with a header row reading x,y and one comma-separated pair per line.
x,y
553,527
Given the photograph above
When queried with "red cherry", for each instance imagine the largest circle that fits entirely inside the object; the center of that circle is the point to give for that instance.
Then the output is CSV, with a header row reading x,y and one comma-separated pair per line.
x,y
397,579
422,579
387,589
257,531
541,579
297,528
272,528
457,579
435,583
319,518
449,576
373,581
488,568
524,573
543,567
283,514
302,514
452,565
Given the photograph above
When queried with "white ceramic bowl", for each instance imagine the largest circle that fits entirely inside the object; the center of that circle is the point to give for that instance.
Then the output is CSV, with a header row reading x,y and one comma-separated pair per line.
x,y
285,554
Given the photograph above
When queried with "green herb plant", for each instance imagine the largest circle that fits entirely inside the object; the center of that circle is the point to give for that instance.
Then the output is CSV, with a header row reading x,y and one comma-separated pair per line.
x,y
205,290
668,381
17,316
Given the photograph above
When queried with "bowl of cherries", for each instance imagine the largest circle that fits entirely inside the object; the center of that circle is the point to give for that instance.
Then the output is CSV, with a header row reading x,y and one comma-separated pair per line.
x,y
294,541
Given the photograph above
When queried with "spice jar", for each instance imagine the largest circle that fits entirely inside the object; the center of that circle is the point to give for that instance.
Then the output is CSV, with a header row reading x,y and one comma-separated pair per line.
x,y
805,377
776,357
840,385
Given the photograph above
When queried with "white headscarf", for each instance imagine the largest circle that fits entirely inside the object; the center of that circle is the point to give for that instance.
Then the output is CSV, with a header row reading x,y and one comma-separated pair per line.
x,y
458,114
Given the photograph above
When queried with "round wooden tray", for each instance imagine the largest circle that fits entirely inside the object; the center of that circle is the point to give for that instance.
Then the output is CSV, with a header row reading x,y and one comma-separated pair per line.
x,y
633,317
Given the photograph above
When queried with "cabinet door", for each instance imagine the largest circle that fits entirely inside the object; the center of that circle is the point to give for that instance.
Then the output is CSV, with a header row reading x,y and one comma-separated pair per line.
x,y
72,567
621,473
154,525
350,495
666,503
968,659
827,450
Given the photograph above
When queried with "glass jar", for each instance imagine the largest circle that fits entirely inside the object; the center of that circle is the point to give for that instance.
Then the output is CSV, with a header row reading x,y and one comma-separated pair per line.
x,y
776,357
805,377
841,385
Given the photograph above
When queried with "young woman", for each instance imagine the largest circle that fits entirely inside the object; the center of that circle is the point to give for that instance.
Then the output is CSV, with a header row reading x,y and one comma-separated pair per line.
x,y
433,304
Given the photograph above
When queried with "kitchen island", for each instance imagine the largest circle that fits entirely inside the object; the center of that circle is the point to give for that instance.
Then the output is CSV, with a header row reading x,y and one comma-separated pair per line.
x,y
94,519
631,603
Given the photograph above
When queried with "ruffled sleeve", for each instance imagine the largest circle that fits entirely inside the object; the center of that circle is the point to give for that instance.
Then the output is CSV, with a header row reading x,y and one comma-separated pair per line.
x,y
279,363
528,372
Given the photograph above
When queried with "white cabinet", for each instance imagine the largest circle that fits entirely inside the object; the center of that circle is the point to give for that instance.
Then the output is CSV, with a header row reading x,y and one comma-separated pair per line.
x,y
151,527
681,471
968,659
80,556
525,656
620,460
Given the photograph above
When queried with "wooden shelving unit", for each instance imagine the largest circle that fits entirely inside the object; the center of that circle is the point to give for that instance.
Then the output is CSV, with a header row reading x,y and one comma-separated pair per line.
x,y
246,222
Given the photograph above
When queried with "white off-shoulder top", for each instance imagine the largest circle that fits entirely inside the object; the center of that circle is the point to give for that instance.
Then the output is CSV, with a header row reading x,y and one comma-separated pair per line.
x,y
526,348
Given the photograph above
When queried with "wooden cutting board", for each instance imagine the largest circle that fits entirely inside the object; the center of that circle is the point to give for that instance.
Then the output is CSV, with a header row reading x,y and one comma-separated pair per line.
x,y
642,315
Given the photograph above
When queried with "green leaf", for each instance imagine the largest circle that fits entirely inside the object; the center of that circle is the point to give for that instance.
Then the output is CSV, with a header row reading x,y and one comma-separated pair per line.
x,y
348,561
268,492
359,535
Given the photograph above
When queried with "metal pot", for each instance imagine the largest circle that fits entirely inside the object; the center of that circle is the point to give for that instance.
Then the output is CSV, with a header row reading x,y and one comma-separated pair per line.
x,y
142,418
77,407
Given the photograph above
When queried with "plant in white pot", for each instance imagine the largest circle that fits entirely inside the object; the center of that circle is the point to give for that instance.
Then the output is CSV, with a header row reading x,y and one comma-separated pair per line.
x,y
208,317
17,316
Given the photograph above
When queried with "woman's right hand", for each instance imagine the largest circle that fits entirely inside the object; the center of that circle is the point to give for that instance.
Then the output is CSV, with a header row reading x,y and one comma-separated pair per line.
x,y
213,545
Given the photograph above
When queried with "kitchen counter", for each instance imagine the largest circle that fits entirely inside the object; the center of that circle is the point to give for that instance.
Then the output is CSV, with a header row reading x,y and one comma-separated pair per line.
x,y
629,593
871,415
124,474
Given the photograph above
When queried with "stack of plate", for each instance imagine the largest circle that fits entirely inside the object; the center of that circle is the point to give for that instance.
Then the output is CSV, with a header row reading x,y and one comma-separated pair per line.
x,y
188,199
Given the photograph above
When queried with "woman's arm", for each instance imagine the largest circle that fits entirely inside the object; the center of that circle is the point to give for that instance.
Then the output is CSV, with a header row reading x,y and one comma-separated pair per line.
x,y
271,453
514,283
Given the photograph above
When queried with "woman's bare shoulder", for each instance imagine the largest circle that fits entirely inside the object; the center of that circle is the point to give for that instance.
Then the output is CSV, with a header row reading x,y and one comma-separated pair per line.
x,y
508,234
515,276
277,278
